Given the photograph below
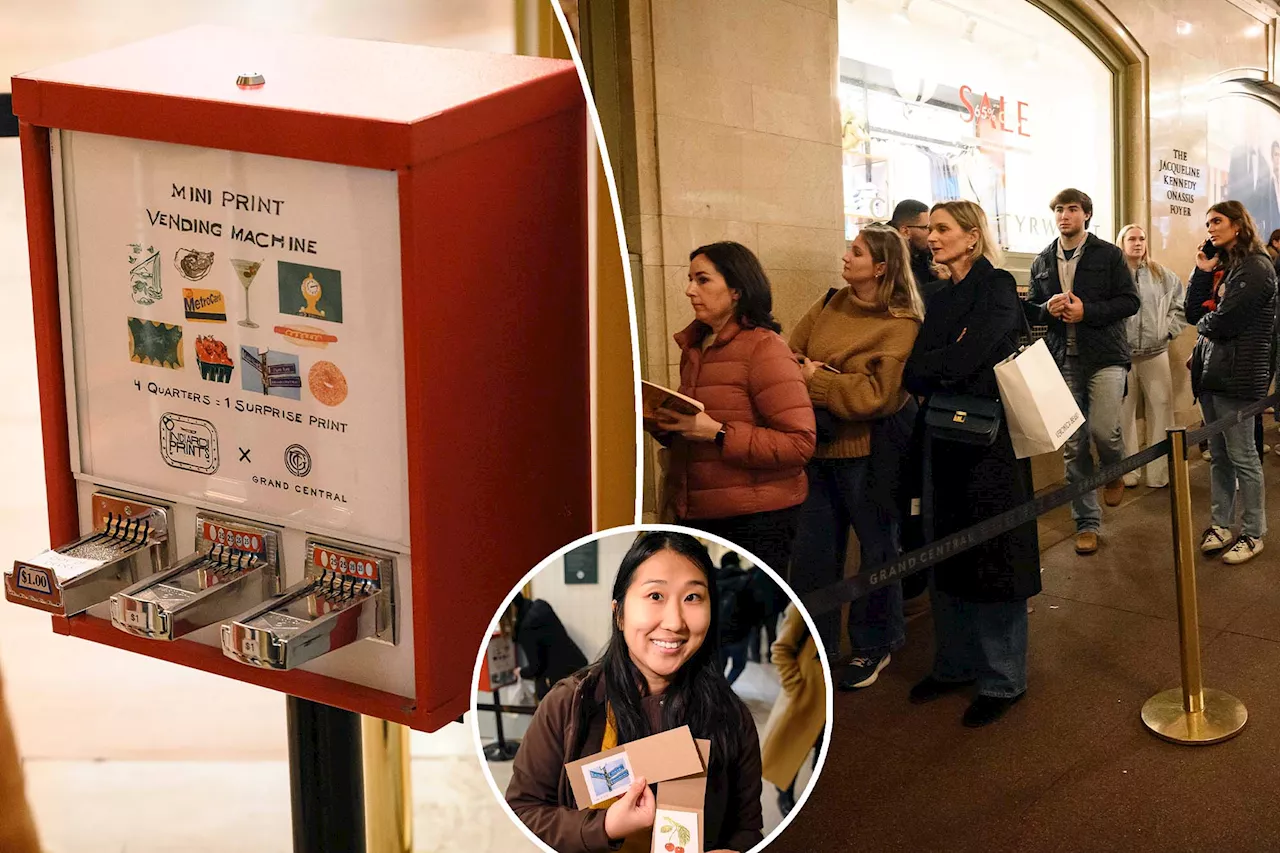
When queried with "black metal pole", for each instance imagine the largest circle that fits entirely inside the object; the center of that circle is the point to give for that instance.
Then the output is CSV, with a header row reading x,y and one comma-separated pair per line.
x,y
326,778
502,749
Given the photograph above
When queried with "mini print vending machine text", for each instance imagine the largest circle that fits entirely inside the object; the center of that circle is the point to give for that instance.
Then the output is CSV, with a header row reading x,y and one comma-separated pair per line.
x,y
312,330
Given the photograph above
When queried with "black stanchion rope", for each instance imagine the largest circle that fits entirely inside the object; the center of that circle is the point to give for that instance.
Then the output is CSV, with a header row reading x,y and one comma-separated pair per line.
x,y
868,580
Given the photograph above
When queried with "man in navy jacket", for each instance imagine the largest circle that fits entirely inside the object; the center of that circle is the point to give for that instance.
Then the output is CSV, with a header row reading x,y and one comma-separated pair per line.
x,y
1081,288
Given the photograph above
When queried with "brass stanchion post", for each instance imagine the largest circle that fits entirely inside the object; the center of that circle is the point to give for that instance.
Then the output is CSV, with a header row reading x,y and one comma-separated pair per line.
x,y
1192,714
388,791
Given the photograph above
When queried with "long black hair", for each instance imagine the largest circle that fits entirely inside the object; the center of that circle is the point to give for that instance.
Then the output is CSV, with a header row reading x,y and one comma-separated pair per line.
x,y
742,272
698,696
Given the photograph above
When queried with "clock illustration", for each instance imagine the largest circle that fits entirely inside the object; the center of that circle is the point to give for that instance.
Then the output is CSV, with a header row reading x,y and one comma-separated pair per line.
x,y
311,292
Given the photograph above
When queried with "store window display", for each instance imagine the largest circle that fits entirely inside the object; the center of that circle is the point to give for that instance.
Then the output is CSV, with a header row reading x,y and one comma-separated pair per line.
x,y
1244,154
985,100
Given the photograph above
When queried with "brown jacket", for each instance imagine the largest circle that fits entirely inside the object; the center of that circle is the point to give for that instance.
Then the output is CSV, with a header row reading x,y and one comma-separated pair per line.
x,y
749,381
800,713
17,831
870,347
540,795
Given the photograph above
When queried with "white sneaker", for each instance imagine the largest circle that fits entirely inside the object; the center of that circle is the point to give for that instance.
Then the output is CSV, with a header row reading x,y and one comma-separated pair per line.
x,y
1206,456
1245,549
1214,539
1131,480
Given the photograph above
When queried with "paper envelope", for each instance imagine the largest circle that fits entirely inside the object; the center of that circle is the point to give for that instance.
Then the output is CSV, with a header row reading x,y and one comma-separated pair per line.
x,y
686,794
669,755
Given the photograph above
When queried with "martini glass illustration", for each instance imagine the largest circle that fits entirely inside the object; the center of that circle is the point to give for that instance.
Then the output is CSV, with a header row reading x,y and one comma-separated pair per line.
x,y
246,271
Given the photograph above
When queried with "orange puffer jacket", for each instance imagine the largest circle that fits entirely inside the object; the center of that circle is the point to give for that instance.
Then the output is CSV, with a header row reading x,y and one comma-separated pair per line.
x,y
749,380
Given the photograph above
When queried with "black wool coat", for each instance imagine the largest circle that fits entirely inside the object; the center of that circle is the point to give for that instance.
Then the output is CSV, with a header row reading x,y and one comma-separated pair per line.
x,y
970,327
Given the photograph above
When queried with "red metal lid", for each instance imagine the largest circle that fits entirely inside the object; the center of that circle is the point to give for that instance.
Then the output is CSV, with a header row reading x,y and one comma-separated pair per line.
x,y
358,103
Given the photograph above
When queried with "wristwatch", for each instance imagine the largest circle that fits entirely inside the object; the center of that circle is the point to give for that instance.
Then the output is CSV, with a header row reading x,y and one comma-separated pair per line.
x,y
720,436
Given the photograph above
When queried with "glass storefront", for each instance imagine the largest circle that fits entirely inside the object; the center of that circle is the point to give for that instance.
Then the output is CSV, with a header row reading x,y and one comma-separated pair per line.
x,y
1244,153
987,100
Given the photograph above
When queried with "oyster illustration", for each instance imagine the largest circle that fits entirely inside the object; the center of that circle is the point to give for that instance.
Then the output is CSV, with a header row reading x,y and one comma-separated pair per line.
x,y
194,265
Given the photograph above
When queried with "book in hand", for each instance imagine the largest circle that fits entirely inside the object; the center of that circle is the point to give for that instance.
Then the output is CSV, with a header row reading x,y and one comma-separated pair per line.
x,y
654,397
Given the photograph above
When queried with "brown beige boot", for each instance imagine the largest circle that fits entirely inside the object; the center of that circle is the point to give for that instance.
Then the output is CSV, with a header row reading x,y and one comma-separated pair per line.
x,y
1087,541
1113,492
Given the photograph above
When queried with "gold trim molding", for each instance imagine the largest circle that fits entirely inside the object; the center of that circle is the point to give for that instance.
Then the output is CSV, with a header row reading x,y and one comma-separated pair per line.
x,y
1098,28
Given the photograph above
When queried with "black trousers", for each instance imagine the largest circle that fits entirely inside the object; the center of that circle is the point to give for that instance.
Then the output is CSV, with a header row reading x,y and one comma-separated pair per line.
x,y
768,535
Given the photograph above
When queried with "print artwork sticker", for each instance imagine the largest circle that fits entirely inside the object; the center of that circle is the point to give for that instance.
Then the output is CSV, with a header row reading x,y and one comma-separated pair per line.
x,y
675,831
155,344
204,306
607,778
213,359
310,291
327,383
272,373
192,263
144,274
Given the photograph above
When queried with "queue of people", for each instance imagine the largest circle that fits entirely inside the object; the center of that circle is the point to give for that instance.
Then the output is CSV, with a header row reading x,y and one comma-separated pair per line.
x,y
805,439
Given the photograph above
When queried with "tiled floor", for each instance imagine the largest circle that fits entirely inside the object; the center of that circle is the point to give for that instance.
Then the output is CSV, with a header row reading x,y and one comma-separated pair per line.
x,y
125,753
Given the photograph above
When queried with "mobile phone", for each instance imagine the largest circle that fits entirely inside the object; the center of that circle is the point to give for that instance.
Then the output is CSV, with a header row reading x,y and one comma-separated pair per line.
x,y
1210,250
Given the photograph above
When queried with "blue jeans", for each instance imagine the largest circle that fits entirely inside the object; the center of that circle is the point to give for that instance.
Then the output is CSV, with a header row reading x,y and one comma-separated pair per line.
x,y
1235,460
735,654
1100,396
981,640
840,497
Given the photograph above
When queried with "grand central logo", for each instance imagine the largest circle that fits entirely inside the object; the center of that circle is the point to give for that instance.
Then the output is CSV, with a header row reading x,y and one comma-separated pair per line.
x,y
298,460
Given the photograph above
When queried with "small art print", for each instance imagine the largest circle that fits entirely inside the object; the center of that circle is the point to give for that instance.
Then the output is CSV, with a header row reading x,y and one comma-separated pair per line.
x,y
308,291
675,832
155,344
607,778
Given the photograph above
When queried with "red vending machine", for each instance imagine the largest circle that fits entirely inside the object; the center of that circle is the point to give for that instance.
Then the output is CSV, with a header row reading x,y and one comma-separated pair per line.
x,y
312,330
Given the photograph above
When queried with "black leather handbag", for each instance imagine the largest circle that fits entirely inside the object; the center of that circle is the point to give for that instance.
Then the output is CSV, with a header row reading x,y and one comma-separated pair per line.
x,y
963,418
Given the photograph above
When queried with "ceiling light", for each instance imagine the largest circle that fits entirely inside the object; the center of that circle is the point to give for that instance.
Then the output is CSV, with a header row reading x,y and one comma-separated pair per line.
x,y
1184,28
901,15
970,25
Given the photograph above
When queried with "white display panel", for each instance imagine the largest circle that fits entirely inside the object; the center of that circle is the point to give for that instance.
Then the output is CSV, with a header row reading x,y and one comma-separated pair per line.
x,y
283,400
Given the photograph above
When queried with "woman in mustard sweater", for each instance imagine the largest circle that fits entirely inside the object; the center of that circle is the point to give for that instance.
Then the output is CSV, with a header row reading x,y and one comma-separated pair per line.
x,y
854,344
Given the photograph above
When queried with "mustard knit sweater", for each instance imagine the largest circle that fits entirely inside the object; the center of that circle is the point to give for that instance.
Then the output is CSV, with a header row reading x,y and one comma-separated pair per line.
x,y
870,347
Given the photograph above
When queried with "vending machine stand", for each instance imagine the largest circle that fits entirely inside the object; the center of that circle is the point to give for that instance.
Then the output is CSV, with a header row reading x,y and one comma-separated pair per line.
x,y
439,194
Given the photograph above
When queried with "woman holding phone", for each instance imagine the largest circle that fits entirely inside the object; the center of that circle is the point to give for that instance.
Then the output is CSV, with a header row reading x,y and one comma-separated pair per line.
x,y
1232,301
659,671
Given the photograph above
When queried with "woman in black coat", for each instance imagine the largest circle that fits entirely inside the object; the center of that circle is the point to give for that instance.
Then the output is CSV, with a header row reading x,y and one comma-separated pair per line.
x,y
979,596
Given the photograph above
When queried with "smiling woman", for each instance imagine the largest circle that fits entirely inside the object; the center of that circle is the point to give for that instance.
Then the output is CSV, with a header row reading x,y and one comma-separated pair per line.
x,y
660,670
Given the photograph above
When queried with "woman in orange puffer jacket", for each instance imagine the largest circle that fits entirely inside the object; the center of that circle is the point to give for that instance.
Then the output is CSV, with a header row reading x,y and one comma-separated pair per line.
x,y
737,469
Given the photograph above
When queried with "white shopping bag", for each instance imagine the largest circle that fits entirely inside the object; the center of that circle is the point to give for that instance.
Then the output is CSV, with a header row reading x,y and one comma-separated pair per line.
x,y
1038,406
